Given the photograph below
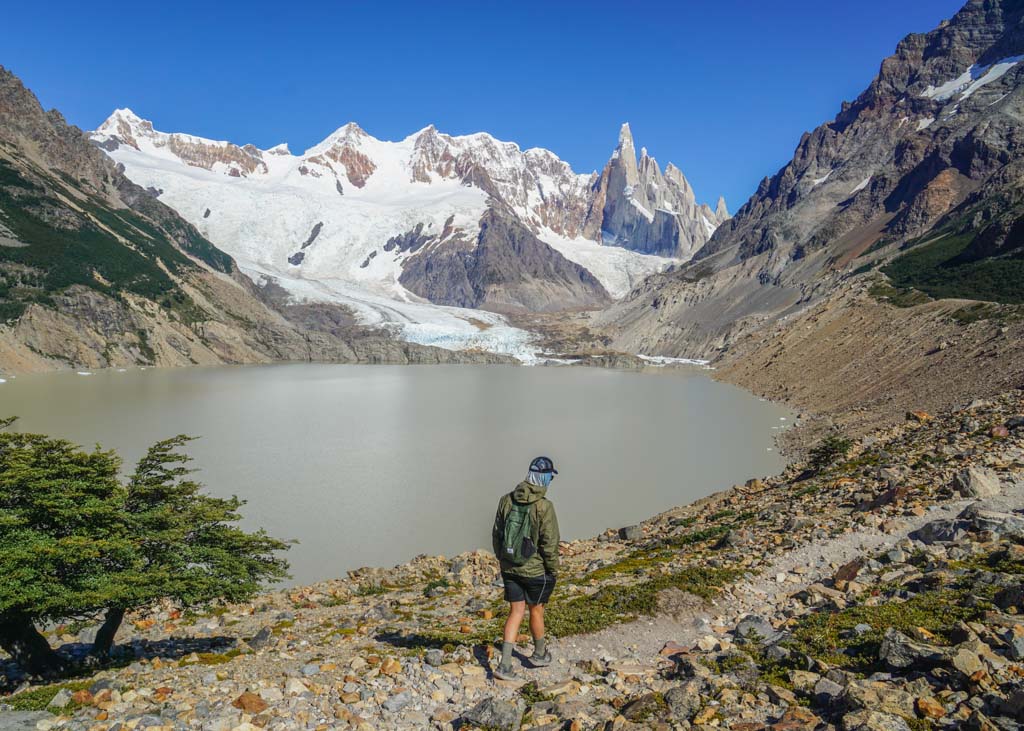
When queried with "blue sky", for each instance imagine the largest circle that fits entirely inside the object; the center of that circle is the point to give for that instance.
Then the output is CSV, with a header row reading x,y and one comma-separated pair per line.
x,y
723,88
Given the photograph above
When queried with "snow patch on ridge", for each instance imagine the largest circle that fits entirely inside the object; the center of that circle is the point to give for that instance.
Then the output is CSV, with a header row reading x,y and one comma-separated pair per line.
x,y
861,185
971,80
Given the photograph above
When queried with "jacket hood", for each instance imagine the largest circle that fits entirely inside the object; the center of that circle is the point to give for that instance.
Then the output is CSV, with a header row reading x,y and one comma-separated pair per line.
x,y
525,493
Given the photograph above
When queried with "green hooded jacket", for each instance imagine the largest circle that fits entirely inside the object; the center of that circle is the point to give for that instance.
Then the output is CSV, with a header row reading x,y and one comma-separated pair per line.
x,y
544,525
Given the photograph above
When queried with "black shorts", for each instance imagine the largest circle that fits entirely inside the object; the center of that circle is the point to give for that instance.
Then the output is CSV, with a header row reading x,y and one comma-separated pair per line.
x,y
535,590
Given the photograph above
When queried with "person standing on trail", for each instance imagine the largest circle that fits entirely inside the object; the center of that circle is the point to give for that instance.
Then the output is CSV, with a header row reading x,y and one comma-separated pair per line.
x,y
525,539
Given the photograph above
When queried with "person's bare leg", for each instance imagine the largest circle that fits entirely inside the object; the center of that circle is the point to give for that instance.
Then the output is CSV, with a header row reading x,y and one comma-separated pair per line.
x,y
540,650
516,612
537,622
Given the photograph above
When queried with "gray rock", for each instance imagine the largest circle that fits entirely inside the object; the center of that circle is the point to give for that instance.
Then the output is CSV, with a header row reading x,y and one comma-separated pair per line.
x,y
22,720
944,530
899,651
397,702
631,533
262,639
61,700
684,700
873,721
976,482
434,657
644,708
496,714
1014,644
310,669
756,628
979,517
826,691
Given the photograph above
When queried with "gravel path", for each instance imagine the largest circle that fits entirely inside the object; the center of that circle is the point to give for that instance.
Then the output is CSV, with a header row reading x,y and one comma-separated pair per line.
x,y
639,643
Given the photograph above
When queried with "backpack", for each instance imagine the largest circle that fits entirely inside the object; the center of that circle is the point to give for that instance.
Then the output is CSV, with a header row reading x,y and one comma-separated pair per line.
x,y
517,546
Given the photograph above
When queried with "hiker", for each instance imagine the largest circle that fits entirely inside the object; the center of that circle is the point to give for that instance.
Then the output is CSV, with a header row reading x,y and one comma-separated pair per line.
x,y
525,539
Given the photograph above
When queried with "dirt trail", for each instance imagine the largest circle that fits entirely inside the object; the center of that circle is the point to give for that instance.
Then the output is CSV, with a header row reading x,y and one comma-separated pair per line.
x,y
640,642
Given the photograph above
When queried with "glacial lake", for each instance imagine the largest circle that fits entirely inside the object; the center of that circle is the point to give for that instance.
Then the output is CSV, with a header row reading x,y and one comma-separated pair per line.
x,y
372,465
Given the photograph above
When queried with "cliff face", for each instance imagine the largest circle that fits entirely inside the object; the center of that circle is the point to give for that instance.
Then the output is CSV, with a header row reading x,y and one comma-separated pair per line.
x,y
506,269
922,168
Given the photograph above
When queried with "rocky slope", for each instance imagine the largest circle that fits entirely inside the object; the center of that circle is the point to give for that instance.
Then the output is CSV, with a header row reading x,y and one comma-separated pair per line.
x,y
95,272
927,159
880,592
468,221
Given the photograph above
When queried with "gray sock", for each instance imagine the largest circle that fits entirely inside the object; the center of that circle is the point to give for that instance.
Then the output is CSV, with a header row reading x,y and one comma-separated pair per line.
x,y
506,654
539,645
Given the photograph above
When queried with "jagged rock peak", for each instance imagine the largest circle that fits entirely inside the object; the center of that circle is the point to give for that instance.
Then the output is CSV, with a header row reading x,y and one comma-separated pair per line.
x,y
721,210
645,210
625,146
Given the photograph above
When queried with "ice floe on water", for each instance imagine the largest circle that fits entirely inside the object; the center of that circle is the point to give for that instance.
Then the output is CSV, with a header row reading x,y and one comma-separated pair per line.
x,y
662,360
84,373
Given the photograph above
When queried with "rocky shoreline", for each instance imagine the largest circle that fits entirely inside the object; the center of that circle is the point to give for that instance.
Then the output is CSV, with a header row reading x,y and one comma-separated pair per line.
x,y
880,593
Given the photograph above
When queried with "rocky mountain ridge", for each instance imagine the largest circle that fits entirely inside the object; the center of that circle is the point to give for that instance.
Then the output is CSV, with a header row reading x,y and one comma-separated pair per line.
x,y
924,166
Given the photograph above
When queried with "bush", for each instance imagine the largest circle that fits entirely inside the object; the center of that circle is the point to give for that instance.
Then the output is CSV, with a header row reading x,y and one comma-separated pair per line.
x,y
829,451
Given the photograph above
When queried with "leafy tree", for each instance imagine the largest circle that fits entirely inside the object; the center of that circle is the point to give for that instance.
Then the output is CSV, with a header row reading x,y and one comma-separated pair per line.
x,y
75,541
188,548
828,451
62,539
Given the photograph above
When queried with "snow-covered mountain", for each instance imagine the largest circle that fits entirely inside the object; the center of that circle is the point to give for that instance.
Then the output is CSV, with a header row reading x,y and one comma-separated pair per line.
x,y
389,228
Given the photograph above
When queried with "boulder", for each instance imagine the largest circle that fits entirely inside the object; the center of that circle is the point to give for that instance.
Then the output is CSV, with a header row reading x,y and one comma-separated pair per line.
x,y
879,696
683,701
250,703
398,701
849,571
979,517
757,629
826,692
493,713
61,700
873,721
22,720
631,533
644,708
899,651
944,530
976,482
263,638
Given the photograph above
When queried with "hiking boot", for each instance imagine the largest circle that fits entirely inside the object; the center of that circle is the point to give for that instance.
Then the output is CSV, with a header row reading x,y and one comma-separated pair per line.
x,y
540,661
505,673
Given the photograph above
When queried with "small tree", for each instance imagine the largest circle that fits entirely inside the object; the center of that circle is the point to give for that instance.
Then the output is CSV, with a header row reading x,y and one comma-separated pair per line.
x,y
187,546
829,451
62,540
76,541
